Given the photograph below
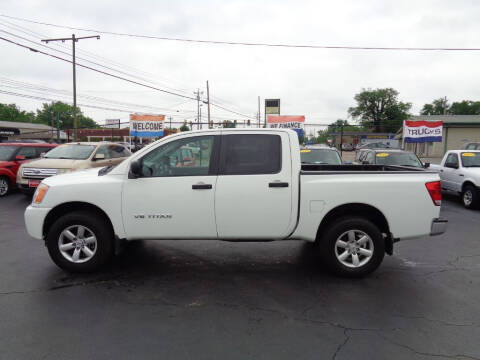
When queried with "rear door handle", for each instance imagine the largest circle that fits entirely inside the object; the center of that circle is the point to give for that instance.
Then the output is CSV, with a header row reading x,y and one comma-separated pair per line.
x,y
278,184
201,186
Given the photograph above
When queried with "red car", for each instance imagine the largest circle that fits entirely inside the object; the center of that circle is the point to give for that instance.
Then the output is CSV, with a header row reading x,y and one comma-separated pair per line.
x,y
12,155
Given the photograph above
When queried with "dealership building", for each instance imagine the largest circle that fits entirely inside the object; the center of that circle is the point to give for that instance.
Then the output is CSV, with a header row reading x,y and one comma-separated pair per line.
x,y
10,130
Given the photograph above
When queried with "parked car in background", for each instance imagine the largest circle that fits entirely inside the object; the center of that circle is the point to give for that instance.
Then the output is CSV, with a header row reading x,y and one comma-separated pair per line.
x,y
12,156
69,157
471,146
320,155
389,157
348,147
460,173
375,145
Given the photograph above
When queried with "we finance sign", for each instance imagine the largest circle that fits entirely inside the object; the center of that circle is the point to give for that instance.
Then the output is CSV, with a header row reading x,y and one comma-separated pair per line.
x,y
422,131
146,125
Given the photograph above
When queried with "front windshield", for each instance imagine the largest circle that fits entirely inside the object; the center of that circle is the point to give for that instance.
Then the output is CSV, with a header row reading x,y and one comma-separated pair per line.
x,y
403,159
471,159
71,151
6,152
320,156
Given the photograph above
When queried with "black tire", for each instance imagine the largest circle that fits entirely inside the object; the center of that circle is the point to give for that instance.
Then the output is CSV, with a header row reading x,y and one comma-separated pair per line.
x,y
5,186
328,249
470,197
97,225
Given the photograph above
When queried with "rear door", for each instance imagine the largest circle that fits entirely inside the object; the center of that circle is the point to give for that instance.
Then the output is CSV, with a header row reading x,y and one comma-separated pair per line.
x,y
253,198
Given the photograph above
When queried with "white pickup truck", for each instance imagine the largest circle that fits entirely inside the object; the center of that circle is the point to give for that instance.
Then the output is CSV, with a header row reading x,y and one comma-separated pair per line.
x,y
460,173
241,185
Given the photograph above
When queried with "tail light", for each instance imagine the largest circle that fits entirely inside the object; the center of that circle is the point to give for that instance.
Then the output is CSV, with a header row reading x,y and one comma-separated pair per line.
x,y
435,190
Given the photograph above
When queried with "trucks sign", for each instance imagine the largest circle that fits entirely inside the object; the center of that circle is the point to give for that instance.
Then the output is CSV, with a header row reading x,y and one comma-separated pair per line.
x,y
422,131
146,125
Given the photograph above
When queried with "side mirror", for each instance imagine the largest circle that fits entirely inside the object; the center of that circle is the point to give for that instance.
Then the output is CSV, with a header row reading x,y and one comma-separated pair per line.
x,y
20,157
452,165
42,155
426,165
135,169
99,157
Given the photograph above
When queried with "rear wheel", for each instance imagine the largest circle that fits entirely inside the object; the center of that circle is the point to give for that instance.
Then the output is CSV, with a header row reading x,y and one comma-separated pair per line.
x,y
4,185
470,197
80,242
352,247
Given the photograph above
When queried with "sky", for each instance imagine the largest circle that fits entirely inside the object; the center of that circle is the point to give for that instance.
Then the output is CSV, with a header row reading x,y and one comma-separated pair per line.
x,y
317,83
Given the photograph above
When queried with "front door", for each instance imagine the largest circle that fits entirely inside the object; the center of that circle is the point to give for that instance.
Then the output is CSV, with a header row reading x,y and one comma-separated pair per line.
x,y
253,199
174,196
449,174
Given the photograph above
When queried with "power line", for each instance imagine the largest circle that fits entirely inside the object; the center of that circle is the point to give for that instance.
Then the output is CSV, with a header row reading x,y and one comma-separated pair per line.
x,y
96,70
116,76
217,42
37,35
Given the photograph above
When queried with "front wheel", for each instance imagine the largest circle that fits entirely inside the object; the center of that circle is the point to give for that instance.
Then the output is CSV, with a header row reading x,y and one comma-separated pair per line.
x,y
470,197
4,186
80,242
352,247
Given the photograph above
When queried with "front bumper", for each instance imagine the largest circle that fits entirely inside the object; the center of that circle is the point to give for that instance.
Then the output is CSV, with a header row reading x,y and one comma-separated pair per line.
x,y
34,219
439,226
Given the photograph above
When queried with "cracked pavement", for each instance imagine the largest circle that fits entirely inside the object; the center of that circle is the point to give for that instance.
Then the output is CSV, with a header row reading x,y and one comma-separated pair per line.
x,y
218,300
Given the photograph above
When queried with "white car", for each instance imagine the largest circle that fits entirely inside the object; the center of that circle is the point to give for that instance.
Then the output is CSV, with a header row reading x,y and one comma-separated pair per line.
x,y
245,185
460,173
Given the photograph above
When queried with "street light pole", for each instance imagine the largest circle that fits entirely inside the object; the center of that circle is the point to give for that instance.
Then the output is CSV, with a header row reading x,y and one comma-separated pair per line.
x,y
74,40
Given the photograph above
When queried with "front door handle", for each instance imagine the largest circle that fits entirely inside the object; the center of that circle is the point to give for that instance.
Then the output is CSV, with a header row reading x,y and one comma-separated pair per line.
x,y
278,184
201,186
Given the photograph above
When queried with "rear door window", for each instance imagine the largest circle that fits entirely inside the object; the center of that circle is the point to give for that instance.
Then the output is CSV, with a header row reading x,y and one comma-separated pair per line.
x,y
28,151
118,151
246,154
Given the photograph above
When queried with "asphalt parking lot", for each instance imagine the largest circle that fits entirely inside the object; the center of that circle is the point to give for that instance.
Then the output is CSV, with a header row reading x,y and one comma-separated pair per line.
x,y
218,300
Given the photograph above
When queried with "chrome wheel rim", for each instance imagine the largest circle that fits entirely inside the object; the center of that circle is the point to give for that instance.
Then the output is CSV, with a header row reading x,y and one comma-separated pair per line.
x,y
77,244
354,248
467,197
3,187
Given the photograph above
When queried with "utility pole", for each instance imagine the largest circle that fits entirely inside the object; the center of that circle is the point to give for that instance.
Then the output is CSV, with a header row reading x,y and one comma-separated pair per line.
x,y
74,40
258,111
208,104
170,118
198,92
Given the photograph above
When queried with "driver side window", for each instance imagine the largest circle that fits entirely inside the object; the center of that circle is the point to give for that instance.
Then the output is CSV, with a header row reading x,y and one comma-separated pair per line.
x,y
452,159
185,157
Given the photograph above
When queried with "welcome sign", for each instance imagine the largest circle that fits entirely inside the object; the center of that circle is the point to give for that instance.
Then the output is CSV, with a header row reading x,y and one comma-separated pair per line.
x,y
422,131
146,125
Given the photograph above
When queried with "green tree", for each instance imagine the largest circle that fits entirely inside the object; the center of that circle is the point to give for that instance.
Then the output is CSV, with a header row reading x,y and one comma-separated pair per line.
x,y
65,114
437,107
380,109
184,128
465,107
11,112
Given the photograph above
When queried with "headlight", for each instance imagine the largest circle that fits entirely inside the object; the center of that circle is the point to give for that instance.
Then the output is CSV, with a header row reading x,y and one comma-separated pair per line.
x,y
40,193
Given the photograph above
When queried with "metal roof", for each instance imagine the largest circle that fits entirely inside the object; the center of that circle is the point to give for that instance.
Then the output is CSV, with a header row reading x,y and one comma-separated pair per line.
x,y
449,119
24,125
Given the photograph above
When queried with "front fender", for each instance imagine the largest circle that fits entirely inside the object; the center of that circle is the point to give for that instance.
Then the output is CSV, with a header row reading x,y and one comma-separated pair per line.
x,y
10,174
